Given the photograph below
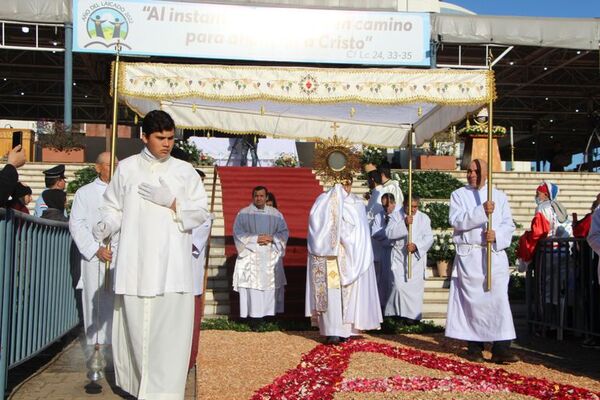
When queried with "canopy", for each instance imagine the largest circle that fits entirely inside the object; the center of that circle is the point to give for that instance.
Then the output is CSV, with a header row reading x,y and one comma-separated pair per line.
x,y
371,106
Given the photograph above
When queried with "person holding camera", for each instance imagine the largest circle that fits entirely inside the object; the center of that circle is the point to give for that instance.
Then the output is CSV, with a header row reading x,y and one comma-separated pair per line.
x,y
9,175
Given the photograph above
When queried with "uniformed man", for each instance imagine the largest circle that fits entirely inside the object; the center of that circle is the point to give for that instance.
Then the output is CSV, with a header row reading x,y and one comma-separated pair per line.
x,y
54,179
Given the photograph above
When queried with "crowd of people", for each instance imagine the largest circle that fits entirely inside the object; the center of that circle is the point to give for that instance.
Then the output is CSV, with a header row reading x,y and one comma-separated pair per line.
x,y
149,224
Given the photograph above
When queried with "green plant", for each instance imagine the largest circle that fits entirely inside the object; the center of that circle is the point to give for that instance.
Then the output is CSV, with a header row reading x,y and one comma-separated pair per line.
x,y
438,214
373,155
430,184
286,160
82,177
516,287
57,136
443,248
512,250
391,325
225,324
190,150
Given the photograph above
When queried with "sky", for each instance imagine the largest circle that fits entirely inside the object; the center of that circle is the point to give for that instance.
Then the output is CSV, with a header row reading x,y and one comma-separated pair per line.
x,y
539,8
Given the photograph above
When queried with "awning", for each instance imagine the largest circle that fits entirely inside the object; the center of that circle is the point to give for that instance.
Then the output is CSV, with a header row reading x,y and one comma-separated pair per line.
x,y
371,106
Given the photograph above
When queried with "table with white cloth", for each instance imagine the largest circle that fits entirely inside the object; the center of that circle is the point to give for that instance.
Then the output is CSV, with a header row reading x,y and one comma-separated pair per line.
x,y
268,150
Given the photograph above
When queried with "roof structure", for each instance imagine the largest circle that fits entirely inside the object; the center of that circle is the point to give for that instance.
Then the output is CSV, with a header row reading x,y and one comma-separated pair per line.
x,y
547,85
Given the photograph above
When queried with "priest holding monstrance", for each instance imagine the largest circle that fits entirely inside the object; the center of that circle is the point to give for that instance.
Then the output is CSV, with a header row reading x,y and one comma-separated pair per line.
x,y
341,287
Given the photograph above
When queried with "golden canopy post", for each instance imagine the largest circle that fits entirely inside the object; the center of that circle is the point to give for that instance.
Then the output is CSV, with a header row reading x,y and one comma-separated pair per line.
x,y
409,209
490,161
113,143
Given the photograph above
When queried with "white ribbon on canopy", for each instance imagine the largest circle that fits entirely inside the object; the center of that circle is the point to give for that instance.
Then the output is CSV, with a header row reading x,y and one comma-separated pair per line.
x,y
371,106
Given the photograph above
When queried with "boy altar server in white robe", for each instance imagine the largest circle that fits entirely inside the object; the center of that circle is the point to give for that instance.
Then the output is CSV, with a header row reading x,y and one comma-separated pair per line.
x,y
97,302
474,314
406,295
341,287
154,201
260,234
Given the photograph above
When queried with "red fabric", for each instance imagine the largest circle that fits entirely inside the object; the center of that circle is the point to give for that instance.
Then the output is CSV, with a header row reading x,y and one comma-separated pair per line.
x,y
582,228
295,190
540,227
196,334
543,189
17,205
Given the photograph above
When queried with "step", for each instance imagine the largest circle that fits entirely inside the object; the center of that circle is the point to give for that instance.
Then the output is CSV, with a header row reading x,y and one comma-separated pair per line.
x,y
214,308
435,306
437,283
217,296
436,294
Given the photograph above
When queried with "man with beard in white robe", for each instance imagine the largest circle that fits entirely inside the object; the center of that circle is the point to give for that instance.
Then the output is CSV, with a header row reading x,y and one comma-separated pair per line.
x,y
474,314
406,294
97,301
154,201
341,287
260,234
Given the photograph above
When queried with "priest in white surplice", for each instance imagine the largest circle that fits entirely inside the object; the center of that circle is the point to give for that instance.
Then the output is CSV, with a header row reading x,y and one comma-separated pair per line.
x,y
389,185
341,287
260,234
97,302
405,297
476,315
154,201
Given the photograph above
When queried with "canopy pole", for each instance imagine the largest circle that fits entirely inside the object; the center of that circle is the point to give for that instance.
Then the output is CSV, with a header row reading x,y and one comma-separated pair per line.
x,y
409,204
113,144
490,161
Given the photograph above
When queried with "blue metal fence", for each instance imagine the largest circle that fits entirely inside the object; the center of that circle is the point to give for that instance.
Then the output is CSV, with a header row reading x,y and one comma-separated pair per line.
x,y
38,304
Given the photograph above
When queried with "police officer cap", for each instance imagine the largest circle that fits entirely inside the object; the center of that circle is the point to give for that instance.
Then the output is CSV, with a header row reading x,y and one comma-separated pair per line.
x,y
55,172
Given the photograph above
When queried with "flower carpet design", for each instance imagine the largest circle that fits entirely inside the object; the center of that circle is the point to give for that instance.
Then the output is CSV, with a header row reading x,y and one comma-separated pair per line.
x,y
320,375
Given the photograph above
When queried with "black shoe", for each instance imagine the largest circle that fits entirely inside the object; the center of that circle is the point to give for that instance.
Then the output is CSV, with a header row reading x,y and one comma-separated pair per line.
x,y
474,356
332,340
505,357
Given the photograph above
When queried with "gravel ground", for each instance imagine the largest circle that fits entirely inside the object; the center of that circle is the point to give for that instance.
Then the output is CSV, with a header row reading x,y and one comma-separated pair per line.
x,y
232,365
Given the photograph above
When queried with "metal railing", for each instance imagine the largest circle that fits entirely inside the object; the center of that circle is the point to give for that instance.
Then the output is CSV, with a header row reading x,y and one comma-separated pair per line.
x,y
37,280
562,291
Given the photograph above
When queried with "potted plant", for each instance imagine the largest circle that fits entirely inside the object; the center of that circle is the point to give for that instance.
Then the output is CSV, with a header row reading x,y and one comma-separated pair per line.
x,y
371,157
60,144
286,160
442,252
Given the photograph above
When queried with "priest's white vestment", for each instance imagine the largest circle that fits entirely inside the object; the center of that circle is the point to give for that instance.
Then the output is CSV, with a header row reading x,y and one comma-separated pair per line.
x,y
392,186
97,302
341,287
374,207
406,295
258,276
473,313
199,242
154,304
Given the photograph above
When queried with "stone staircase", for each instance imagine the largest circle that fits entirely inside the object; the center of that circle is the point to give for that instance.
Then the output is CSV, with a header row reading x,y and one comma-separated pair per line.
x,y
578,190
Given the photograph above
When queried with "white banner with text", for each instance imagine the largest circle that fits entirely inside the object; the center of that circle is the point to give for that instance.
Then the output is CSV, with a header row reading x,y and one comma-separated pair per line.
x,y
216,31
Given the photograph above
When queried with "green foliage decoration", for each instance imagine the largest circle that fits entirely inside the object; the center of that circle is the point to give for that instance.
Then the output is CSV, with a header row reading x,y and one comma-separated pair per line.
x,y
373,155
430,184
438,214
82,177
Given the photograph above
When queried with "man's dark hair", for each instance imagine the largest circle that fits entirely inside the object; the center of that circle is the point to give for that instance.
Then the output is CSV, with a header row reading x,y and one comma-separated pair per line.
x,y
157,121
51,181
374,177
259,188
384,169
389,197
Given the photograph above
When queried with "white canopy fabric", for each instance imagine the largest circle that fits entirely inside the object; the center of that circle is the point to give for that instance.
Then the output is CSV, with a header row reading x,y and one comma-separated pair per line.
x,y
371,106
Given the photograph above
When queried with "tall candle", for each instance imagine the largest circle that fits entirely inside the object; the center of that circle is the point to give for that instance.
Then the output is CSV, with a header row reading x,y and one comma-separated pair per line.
x,y
512,142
